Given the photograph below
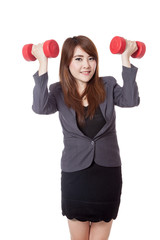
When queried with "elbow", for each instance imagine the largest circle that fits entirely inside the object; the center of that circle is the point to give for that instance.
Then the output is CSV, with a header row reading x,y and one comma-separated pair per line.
x,y
134,103
37,110
137,102
44,111
128,103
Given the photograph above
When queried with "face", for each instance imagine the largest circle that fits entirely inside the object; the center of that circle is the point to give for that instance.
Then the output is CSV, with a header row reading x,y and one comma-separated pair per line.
x,y
82,66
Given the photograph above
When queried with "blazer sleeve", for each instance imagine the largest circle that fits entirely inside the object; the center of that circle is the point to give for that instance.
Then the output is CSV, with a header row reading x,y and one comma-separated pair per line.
x,y
44,102
128,95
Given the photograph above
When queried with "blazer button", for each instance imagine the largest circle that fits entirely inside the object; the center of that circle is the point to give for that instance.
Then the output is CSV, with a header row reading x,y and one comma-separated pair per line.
x,y
92,142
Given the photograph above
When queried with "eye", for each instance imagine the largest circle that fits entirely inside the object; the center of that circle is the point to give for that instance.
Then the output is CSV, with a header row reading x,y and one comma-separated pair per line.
x,y
91,58
78,59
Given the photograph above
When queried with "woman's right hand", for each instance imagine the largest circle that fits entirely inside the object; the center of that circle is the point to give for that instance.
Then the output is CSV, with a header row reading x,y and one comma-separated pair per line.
x,y
37,51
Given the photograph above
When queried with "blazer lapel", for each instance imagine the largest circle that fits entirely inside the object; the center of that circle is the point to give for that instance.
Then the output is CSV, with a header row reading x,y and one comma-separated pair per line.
x,y
103,107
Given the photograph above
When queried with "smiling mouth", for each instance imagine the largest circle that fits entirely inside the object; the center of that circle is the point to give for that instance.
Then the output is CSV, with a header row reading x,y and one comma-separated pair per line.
x,y
86,72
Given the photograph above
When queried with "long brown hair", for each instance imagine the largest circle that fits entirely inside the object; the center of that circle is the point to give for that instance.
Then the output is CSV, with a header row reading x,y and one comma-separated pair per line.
x,y
94,91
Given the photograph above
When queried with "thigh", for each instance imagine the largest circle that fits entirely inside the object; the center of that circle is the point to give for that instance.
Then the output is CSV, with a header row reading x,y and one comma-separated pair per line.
x,y
79,230
100,230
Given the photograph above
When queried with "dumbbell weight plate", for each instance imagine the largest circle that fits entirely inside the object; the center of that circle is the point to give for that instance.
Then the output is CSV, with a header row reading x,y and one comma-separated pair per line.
x,y
117,45
141,50
51,48
26,51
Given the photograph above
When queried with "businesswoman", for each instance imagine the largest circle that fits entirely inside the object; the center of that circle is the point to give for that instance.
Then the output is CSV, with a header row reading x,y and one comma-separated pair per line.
x,y
91,180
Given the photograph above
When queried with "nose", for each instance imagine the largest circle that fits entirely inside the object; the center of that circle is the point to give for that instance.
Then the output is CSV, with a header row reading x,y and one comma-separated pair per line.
x,y
86,63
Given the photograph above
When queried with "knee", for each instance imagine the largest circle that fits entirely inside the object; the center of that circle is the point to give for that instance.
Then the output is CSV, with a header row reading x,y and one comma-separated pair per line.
x,y
86,237
98,238
79,237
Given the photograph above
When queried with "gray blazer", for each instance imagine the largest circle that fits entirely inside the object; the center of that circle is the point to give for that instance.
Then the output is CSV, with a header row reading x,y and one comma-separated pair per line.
x,y
79,150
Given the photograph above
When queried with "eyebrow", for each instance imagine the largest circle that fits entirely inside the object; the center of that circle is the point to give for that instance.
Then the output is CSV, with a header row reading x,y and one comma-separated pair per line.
x,y
78,56
81,56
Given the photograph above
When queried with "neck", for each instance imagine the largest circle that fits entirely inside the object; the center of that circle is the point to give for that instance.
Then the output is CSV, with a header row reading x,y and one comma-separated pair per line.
x,y
81,87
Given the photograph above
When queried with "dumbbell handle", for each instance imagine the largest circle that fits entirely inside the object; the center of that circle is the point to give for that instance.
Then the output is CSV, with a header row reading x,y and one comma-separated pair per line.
x,y
118,45
50,49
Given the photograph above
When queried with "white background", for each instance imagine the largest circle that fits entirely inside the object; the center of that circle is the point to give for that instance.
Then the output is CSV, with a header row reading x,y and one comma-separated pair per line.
x,y
31,145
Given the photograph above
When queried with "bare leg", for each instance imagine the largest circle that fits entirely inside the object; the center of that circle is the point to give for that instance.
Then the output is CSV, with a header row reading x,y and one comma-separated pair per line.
x,y
79,230
100,230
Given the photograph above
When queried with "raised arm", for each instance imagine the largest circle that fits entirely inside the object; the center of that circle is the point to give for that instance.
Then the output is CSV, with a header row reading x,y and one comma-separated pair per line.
x,y
128,95
44,102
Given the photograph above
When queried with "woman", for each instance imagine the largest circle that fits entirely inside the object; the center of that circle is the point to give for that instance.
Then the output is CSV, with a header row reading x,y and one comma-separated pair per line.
x,y
91,180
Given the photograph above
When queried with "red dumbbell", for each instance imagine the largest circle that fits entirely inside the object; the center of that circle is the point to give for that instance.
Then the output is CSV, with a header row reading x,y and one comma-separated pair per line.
x,y
50,49
118,45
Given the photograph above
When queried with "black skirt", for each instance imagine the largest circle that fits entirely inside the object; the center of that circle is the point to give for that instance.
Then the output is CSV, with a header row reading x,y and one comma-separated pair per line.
x,y
92,194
